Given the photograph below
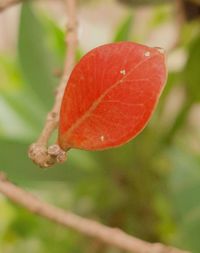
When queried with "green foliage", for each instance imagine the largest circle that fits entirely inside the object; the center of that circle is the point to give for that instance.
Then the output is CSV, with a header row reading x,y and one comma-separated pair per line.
x,y
21,112
124,31
34,56
149,187
192,77
161,15
185,191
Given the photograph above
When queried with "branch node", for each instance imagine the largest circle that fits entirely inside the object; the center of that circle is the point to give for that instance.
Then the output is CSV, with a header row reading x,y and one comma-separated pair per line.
x,y
56,152
39,155
52,116
44,157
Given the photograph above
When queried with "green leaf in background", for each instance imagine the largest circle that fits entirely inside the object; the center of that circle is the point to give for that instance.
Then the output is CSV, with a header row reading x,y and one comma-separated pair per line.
x,y
178,122
11,125
192,73
7,215
160,16
124,31
21,112
28,109
10,74
189,32
185,191
34,57
55,38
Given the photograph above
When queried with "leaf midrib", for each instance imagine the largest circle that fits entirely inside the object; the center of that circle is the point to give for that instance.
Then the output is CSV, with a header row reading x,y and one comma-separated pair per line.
x,y
98,100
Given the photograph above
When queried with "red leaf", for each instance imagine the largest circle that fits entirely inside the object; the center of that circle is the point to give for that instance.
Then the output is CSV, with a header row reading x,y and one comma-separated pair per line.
x,y
111,95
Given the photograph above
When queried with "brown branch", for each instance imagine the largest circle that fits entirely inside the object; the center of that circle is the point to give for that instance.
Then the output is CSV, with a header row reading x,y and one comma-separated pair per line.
x,y
38,151
93,229
5,4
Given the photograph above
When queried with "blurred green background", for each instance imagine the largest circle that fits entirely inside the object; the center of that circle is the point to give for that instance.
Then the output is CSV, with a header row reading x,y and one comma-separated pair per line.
x,y
149,187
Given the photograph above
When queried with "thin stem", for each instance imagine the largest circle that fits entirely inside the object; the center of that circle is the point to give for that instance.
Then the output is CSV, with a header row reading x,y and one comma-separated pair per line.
x,y
38,151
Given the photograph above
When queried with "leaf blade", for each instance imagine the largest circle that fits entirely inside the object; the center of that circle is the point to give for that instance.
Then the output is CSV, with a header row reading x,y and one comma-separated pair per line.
x,y
107,84
34,57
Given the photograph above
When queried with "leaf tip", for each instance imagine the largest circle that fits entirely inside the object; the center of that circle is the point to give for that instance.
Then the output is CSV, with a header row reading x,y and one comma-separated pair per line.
x,y
160,50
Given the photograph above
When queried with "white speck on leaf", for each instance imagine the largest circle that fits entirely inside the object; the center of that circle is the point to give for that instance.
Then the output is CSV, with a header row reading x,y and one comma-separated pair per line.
x,y
102,138
147,53
123,72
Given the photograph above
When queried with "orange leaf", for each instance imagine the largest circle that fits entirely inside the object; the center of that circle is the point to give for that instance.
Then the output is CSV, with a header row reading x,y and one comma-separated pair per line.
x,y
111,95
